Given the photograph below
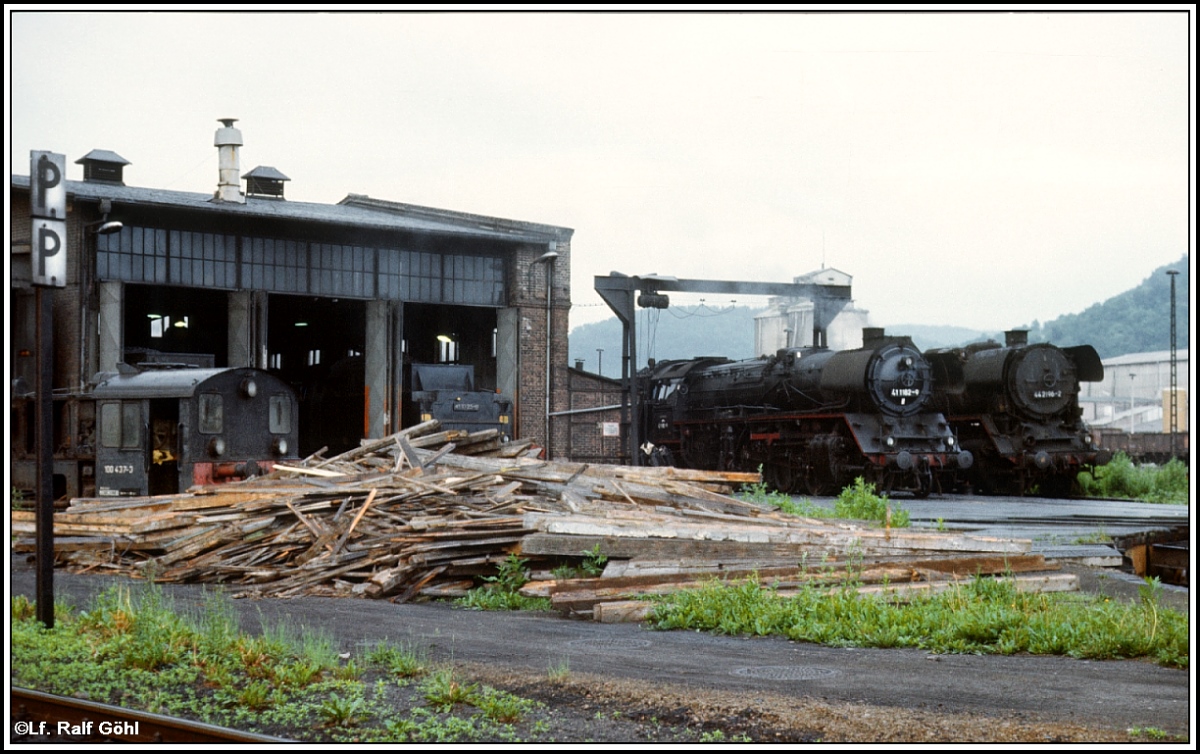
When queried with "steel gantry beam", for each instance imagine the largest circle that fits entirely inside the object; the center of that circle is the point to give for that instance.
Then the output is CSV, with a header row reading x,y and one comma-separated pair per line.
x,y
619,290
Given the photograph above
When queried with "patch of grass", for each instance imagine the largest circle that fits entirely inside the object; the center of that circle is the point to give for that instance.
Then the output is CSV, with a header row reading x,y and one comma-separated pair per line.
x,y
984,616
502,591
405,662
859,501
269,682
559,671
1122,478
1098,537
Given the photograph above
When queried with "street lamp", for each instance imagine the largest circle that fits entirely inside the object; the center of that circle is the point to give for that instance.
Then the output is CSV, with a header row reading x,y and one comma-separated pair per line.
x,y
1174,403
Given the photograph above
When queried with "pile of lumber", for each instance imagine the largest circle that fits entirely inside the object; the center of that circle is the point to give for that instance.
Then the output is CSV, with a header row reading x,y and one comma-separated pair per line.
x,y
427,512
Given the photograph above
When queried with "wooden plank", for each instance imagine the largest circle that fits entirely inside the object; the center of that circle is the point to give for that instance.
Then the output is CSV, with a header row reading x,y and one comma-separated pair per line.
x,y
308,471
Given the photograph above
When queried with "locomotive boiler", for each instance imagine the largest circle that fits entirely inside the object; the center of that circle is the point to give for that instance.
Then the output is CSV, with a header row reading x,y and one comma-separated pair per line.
x,y
813,419
1016,408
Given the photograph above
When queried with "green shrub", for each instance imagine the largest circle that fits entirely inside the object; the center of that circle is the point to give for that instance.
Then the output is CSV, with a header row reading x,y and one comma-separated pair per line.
x,y
1122,478
859,501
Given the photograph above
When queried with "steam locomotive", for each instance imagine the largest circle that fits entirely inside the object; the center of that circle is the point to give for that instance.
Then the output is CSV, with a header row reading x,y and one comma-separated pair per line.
x,y
160,429
1016,409
813,419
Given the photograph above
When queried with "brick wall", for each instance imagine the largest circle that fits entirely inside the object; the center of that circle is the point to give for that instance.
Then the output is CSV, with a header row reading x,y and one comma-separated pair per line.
x,y
579,435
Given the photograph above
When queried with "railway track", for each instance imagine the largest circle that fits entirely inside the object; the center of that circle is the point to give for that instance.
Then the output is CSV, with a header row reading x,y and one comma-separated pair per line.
x,y
37,717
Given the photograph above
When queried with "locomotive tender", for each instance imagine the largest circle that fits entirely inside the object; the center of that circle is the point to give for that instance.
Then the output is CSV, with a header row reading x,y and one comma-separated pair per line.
x,y
1016,408
813,419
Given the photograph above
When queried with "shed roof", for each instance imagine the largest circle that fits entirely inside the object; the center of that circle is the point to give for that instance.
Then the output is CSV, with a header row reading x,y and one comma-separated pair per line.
x,y
355,210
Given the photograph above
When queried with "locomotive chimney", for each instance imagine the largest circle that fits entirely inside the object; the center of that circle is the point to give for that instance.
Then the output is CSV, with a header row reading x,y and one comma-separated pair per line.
x,y
227,141
872,336
1015,338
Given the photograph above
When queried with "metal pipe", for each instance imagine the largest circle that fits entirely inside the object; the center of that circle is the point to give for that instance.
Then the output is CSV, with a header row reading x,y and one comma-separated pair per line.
x,y
595,410
549,330
549,258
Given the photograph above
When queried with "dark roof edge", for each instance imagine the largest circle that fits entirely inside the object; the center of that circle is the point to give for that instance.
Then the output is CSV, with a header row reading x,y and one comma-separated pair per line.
x,y
374,212
433,213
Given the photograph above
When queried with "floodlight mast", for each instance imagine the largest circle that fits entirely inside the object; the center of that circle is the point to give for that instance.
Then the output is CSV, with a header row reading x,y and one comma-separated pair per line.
x,y
618,290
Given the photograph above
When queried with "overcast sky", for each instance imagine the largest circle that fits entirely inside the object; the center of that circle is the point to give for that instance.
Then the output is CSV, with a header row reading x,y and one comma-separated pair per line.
x,y
976,169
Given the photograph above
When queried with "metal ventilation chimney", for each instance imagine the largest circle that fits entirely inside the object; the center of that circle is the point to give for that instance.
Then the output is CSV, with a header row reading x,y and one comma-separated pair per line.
x,y
227,141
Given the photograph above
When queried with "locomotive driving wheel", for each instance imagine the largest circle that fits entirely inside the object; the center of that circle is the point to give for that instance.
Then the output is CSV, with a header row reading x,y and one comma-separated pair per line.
x,y
823,464
924,483
782,475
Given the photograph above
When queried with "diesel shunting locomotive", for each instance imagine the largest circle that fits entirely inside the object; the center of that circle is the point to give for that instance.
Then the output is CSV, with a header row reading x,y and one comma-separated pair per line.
x,y
160,429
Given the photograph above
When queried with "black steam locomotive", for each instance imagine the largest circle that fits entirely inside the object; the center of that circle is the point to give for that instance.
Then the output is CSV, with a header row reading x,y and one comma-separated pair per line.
x,y
811,418
160,429
1016,408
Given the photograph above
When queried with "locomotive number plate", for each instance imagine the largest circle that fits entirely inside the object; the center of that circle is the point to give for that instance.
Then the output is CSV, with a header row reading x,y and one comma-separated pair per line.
x,y
905,392
466,406
1047,394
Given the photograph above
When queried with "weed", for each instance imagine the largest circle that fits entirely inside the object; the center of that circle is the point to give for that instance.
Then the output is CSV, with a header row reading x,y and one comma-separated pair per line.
x,y
1154,734
859,501
405,662
22,608
501,592
593,561
501,706
511,576
348,672
560,670
340,712
256,695
443,690
1098,537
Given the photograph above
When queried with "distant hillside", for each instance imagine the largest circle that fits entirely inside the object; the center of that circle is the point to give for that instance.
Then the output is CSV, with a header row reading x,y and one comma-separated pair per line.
x,y
682,332
1135,321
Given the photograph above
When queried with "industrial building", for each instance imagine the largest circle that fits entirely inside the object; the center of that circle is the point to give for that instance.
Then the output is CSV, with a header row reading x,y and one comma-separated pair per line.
x,y
337,299
792,322
1135,393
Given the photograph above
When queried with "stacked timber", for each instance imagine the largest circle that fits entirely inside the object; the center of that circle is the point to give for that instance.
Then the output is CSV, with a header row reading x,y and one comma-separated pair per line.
x,y
427,513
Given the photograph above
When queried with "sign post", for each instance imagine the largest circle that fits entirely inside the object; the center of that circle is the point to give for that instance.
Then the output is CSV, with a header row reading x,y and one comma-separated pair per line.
x,y
48,211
